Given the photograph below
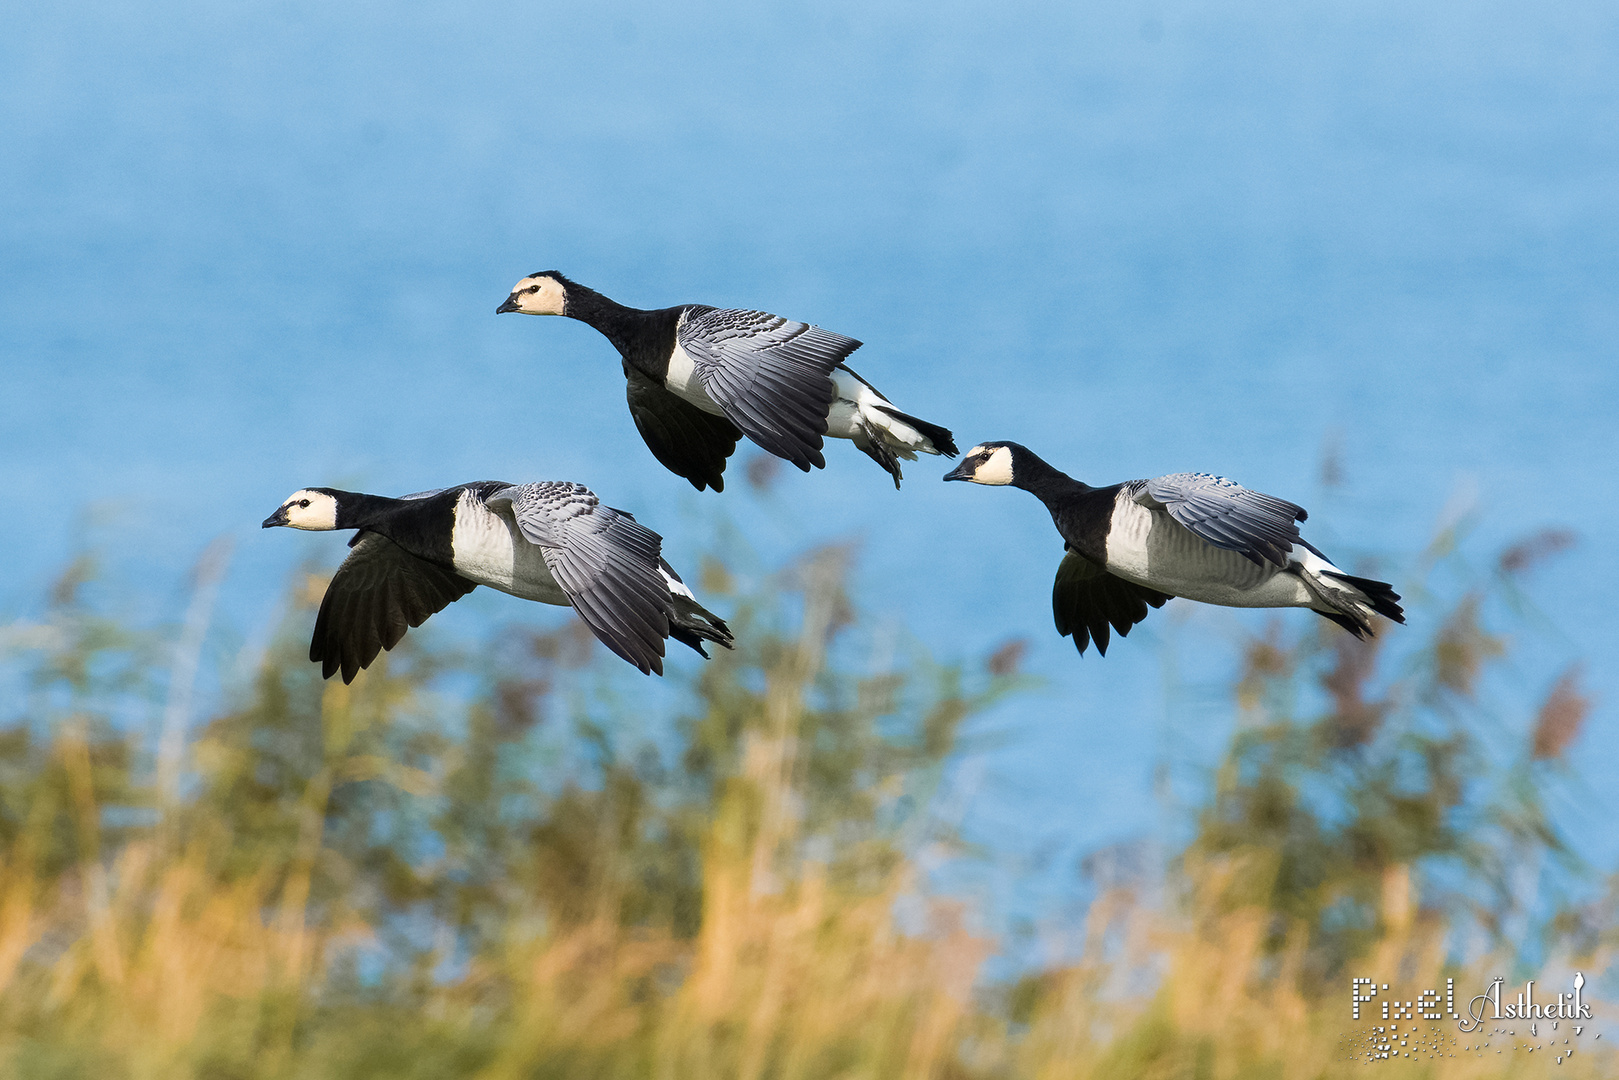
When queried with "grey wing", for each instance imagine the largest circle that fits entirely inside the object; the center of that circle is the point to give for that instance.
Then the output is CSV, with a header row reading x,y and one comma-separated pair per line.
x,y
379,592
604,560
688,441
772,376
1227,515
1086,599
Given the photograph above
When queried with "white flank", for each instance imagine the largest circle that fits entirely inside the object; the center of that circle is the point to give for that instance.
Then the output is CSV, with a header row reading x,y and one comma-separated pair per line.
x,y
489,549
1151,548
682,379
1127,553
483,544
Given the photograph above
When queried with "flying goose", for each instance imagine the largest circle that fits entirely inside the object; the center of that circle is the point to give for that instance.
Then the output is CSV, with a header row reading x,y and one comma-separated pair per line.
x,y
552,541
1203,537
699,378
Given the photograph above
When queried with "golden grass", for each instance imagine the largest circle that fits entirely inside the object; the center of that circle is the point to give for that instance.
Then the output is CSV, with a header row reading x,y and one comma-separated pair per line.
x,y
206,945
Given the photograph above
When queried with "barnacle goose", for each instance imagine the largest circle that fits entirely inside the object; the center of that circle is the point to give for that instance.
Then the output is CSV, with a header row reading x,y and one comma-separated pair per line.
x,y
1203,537
551,541
701,377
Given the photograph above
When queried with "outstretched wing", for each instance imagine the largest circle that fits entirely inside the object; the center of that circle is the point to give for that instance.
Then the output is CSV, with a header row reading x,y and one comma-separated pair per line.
x,y
379,592
688,441
604,561
772,376
1086,599
1226,514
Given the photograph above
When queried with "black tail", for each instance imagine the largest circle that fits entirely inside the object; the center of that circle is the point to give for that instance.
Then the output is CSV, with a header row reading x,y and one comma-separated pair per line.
x,y
690,623
941,438
1384,600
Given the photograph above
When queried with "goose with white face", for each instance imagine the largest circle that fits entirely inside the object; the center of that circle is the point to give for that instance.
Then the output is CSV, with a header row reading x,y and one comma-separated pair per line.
x,y
986,463
1133,546
700,378
549,541
307,509
537,294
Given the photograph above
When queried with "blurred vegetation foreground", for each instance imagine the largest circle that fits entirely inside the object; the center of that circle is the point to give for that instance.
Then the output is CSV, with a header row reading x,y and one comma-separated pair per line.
x,y
527,878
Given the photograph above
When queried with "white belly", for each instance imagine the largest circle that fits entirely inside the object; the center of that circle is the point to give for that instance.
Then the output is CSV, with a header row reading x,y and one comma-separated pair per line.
x,y
1151,548
854,413
843,418
488,549
681,380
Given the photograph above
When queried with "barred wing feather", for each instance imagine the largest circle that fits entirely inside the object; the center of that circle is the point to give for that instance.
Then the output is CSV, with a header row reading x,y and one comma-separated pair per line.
x,y
771,376
604,560
1226,514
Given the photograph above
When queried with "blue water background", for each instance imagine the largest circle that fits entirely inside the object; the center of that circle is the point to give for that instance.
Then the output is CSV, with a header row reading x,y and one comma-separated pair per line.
x,y
251,247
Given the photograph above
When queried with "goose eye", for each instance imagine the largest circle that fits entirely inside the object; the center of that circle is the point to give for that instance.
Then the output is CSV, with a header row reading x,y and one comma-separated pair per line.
x,y
303,502
533,288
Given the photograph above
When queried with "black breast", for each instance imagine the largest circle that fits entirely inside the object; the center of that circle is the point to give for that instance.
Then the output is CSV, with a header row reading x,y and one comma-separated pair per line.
x,y
648,341
425,527
1084,519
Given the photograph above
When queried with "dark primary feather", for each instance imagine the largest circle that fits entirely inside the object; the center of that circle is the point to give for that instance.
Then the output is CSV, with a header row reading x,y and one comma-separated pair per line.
x,y
604,560
772,376
688,441
1228,515
690,623
1086,599
379,592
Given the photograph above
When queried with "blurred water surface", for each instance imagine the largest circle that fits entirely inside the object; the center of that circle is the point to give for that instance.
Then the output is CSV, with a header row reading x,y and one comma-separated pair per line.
x,y
255,247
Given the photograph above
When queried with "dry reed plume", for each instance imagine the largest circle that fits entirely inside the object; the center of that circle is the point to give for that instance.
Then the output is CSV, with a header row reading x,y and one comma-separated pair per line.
x,y
380,881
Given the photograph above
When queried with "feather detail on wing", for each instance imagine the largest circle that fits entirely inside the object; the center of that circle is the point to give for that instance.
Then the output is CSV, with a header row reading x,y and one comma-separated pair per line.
x,y
1086,599
1226,514
772,376
604,560
379,592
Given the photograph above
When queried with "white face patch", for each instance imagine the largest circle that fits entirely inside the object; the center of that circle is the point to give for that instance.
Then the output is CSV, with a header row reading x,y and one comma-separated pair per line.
x,y
312,510
539,296
997,470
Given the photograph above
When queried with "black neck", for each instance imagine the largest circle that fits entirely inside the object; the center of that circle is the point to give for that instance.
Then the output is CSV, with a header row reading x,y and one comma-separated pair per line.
x,y
617,323
356,510
1031,473
424,527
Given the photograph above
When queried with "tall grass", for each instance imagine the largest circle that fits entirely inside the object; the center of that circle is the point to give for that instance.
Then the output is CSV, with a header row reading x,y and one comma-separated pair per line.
x,y
383,881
